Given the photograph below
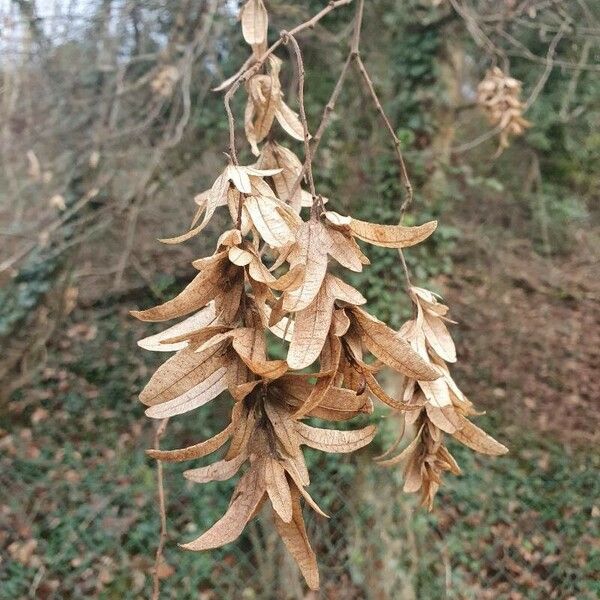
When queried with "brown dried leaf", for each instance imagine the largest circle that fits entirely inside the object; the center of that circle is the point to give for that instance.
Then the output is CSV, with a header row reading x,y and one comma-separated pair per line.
x,y
255,22
387,236
216,197
249,345
324,384
278,489
240,178
333,440
240,391
445,418
470,435
296,541
289,121
267,219
346,251
405,453
413,476
264,95
342,400
275,156
230,526
182,371
296,468
310,330
310,251
197,396
240,257
196,451
386,345
438,337
380,393
156,343
340,290
436,392
290,280
196,295
283,425
340,322
219,471
186,371
227,302
429,301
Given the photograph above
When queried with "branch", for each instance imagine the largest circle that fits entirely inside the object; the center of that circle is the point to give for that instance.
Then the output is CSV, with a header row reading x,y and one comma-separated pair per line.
x,y
329,108
307,153
397,145
160,430
246,74
549,66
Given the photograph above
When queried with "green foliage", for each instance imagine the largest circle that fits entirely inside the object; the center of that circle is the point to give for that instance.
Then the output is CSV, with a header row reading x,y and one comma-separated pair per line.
x,y
32,283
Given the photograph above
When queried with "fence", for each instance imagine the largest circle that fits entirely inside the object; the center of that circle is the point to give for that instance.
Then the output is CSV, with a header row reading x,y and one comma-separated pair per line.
x,y
78,516
526,528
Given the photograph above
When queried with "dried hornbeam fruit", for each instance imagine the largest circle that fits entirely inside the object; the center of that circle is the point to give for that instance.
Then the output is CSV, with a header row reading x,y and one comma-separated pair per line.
x,y
272,274
255,23
499,96
437,407
265,104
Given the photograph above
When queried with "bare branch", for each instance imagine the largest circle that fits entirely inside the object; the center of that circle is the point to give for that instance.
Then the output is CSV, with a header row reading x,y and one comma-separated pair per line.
x,y
160,430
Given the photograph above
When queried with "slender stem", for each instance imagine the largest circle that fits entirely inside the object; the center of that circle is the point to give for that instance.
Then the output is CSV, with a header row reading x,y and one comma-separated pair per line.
x,y
328,110
246,74
231,121
307,152
354,45
397,146
355,56
160,430
337,89
405,269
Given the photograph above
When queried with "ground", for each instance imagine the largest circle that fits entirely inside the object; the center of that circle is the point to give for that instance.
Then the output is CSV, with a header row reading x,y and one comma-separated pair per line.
x,y
529,331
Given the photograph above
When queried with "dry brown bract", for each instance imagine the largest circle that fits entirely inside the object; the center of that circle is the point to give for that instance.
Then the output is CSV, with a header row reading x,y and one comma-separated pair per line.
x,y
499,96
265,104
271,274
439,406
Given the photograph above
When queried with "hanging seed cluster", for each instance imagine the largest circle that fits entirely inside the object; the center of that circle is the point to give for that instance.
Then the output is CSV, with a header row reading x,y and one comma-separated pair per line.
x,y
271,277
435,407
499,96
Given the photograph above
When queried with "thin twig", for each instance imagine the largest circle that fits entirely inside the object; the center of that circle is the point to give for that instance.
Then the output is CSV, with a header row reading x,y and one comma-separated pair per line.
x,y
354,46
327,111
355,54
246,74
406,271
160,430
288,37
549,66
397,145
330,106
488,135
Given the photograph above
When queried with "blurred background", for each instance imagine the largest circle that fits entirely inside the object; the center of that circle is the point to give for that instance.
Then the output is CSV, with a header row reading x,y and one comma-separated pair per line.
x,y
109,128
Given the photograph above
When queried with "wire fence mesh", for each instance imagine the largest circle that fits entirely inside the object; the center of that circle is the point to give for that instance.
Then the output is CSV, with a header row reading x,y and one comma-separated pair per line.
x,y
495,533
79,519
